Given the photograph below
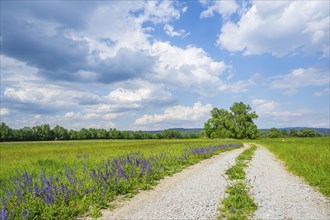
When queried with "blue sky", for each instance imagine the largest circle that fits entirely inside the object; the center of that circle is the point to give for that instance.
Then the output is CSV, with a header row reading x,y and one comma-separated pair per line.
x,y
154,65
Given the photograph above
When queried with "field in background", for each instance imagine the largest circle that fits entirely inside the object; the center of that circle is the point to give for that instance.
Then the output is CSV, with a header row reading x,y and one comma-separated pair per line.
x,y
51,155
305,157
67,178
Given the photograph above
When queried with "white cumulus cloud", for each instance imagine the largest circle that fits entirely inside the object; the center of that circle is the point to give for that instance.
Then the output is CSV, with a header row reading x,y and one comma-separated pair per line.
x,y
169,30
187,68
176,115
223,7
299,78
264,107
129,95
279,28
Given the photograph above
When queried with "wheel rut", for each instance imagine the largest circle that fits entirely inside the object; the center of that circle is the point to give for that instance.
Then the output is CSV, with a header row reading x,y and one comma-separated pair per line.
x,y
280,194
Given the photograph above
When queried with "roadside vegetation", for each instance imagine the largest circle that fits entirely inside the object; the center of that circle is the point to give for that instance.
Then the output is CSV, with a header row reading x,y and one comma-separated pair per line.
x,y
236,171
50,180
305,157
238,204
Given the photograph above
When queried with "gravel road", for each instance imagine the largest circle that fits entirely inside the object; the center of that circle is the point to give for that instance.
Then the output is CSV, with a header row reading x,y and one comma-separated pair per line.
x,y
194,193
281,195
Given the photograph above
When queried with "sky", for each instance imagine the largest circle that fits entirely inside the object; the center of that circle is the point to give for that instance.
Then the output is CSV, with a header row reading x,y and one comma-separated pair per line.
x,y
150,65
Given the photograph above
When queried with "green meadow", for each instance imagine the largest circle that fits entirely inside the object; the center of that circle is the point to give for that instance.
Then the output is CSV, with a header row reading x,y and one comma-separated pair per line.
x,y
51,155
308,158
65,179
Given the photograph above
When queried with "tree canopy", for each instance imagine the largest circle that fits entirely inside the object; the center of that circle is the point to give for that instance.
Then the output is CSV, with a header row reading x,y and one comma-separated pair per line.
x,y
236,123
283,133
274,133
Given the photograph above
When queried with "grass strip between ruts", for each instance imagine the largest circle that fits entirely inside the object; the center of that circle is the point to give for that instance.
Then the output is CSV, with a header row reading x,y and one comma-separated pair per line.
x,y
238,204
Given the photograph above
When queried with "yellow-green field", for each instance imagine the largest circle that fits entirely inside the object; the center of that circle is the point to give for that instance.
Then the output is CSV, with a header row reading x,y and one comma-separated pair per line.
x,y
51,155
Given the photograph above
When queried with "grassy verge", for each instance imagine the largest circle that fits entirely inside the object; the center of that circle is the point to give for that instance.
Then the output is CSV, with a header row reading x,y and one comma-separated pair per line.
x,y
67,179
238,204
308,158
236,171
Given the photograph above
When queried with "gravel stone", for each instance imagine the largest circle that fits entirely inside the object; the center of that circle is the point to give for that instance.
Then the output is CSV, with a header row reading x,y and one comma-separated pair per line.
x,y
281,195
194,193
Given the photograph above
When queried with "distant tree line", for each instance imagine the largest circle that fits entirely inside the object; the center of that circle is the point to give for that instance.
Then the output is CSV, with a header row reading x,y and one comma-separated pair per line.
x,y
276,133
45,133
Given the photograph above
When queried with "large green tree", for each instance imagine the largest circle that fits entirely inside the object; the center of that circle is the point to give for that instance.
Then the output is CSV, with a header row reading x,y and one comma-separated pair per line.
x,y
237,123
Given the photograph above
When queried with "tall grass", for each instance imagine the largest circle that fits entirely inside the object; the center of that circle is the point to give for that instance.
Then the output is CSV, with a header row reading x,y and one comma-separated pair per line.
x,y
51,155
305,157
66,179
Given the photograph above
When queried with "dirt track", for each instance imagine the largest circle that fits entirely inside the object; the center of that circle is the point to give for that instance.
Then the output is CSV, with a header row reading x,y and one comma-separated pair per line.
x,y
281,195
195,192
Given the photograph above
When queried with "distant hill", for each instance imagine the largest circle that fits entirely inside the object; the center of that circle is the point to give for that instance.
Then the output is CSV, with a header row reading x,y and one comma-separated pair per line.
x,y
319,130
187,130
195,130
181,130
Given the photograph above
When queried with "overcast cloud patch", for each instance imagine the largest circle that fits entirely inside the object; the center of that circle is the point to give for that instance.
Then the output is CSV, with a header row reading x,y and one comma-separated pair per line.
x,y
50,52
127,64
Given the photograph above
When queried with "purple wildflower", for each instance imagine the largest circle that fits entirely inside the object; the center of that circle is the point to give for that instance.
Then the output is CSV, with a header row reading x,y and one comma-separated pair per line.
x,y
25,214
36,190
27,179
9,195
3,214
93,173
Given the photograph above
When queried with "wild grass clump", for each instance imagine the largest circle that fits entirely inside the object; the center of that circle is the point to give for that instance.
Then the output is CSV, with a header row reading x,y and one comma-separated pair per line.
x,y
236,171
238,204
86,187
